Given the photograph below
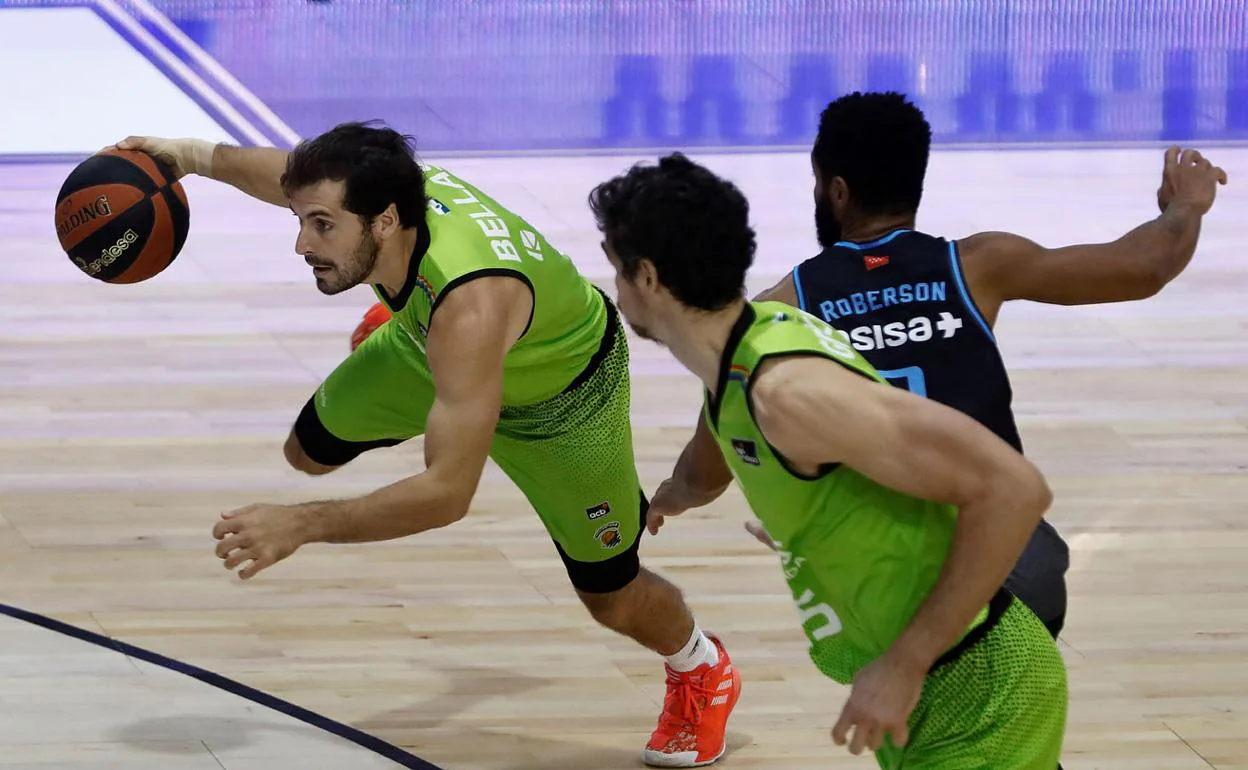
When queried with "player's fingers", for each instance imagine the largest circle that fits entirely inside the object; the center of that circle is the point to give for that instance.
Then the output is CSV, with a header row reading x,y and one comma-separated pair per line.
x,y
863,735
901,734
653,522
840,730
231,543
133,143
1221,174
1172,156
254,568
875,739
225,527
755,528
239,556
1190,158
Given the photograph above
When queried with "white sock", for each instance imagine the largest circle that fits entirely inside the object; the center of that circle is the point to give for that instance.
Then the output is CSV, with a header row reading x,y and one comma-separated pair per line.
x,y
697,650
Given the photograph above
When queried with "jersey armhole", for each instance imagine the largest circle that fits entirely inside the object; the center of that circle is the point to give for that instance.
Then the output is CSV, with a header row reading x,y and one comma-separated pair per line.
x,y
825,468
797,288
955,267
485,273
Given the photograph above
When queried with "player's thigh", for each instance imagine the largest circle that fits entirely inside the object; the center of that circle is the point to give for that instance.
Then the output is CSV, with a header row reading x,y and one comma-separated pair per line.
x,y
1002,705
591,503
379,396
573,459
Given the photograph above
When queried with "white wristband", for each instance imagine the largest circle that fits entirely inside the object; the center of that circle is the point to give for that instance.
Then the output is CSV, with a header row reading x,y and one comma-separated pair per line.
x,y
201,156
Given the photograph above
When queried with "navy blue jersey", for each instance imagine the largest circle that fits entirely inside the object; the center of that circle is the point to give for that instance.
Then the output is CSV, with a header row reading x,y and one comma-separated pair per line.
x,y
902,302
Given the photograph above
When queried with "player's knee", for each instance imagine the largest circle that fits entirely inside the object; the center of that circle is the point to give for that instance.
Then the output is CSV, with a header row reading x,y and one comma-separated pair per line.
x,y
299,460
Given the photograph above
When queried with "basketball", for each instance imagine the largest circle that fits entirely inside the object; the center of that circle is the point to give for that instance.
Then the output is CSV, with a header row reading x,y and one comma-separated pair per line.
x,y
122,216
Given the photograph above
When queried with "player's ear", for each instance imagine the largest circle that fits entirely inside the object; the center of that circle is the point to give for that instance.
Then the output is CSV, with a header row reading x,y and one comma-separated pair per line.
x,y
386,223
838,191
647,275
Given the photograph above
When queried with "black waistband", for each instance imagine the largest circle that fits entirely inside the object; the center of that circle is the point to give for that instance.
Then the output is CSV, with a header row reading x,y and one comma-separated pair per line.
x,y
604,345
996,608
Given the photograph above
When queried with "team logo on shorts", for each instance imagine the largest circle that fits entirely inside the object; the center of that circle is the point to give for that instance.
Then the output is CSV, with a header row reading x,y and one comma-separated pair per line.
x,y
598,511
746,450
608,535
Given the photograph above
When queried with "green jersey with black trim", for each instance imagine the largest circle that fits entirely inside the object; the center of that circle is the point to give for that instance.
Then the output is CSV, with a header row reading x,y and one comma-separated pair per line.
x,y
859,557
471,235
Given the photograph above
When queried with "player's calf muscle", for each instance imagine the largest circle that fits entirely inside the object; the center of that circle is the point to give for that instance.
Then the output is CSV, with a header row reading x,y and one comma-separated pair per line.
x,y
649,609
300,461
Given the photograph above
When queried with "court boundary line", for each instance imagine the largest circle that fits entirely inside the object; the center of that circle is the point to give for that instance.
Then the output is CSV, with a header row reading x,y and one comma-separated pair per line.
x,y
354,735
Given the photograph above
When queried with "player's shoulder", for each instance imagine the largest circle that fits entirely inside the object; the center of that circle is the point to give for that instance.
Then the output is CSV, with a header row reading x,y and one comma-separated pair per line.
x,y
995,245
788,390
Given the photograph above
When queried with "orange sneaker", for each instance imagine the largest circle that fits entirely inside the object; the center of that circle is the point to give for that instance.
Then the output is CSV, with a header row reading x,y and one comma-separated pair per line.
x,y
376,316
694,723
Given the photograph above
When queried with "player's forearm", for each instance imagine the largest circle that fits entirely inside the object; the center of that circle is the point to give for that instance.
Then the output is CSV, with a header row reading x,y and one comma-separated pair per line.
x,y
990,535
256,171
701,473
1149,256
404,508
1170,240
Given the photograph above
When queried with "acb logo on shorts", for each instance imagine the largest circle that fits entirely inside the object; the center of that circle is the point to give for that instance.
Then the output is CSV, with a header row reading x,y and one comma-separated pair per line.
x,y
608,535
746,450
598,511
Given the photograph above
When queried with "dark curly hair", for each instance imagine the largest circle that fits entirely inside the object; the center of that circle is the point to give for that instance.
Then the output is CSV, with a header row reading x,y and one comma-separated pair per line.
x,y
377,165
879,143
691,224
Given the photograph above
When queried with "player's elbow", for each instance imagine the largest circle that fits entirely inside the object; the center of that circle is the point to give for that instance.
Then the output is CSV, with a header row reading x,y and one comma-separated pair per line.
x,y
455,508
1150,280
454,496
1027,491
1041,495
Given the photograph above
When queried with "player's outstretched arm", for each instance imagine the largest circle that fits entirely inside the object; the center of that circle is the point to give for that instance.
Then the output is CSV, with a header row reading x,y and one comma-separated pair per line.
x,y
256,171
1002,266
814,411
468,339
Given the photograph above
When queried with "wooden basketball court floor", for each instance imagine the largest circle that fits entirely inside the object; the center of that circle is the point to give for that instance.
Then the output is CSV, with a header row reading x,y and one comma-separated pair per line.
x,y
130,417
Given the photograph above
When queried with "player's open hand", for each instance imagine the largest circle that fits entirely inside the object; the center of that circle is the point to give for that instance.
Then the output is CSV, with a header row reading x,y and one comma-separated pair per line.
x,y
884,694
1188,178
260,534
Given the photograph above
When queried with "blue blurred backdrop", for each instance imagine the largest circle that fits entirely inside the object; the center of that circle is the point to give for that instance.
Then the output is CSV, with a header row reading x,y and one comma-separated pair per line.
x,y
515,75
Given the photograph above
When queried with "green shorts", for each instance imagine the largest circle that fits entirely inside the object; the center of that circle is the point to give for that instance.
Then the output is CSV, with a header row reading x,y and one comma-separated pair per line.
x,y
571,455
999,704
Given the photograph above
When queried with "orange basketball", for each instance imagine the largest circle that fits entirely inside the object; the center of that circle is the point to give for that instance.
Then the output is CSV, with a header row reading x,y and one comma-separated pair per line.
x,y
121,216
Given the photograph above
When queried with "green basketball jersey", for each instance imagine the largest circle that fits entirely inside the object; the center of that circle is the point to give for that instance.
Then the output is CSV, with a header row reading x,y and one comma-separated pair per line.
x,y
472,235
859,558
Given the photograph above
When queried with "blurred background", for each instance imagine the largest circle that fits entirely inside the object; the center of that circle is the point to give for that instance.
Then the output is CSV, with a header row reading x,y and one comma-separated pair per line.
x,y
513,76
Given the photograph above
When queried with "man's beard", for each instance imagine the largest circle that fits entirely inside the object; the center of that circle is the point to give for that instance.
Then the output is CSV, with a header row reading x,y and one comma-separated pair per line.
x,y
827,229
358,266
